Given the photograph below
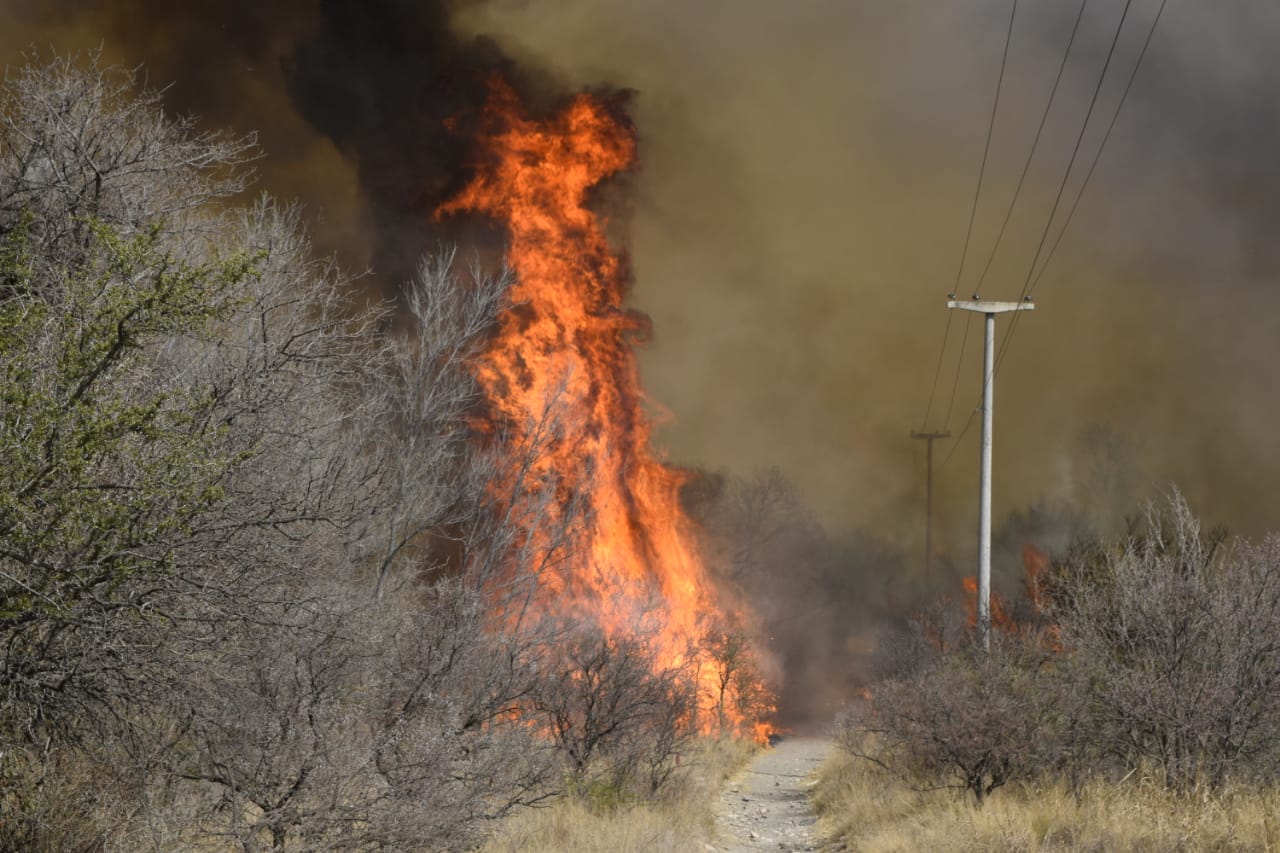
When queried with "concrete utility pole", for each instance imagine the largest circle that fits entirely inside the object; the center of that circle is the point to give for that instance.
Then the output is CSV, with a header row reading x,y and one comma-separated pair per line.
x,y
929,438
990,309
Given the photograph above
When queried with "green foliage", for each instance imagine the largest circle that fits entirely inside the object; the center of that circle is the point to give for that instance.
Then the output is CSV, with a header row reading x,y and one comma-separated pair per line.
x,y
106,460
604,794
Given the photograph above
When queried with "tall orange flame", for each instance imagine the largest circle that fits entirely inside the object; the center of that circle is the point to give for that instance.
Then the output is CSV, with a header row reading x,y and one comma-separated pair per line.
x,y
568,339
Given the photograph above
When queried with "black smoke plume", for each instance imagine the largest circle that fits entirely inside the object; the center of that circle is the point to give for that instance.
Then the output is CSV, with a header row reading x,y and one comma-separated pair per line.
x,y
362,107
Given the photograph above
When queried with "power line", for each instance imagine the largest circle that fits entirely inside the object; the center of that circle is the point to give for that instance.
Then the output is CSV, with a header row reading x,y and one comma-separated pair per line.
x,y
1035,143
986,150
1098,155
1075,151
973,213
1075,204
1066,55
956,382
1066,176
960,438
1026,168
936,372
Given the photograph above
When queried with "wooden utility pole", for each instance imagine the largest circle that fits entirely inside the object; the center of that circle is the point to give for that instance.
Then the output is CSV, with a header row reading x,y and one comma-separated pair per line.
x,y
929,438
990,310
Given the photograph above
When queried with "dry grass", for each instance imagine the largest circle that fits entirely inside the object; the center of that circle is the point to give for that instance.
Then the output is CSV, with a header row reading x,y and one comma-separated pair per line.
x,y
76,805
681,819
873,811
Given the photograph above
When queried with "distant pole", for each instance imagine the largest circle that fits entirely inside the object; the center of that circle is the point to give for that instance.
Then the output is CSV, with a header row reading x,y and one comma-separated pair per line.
x,y
990,309
929,438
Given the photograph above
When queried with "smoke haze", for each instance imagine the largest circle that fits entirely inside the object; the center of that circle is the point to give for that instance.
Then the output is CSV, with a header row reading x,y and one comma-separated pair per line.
x,y
807,172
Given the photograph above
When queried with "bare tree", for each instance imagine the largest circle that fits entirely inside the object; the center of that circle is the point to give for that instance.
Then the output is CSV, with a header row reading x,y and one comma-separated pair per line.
x,y
619,714
83,143
417,410
810,592
738,693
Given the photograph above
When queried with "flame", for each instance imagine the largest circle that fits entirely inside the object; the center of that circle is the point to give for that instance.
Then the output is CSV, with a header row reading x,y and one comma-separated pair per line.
x,y
1035,564
1000,618
567,343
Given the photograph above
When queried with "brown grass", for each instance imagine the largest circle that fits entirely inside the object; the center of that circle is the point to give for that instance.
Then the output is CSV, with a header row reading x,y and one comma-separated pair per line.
x,y
871,810
681,819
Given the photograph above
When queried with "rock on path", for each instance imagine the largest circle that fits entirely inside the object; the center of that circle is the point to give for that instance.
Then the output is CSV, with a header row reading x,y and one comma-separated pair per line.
x,y
766,806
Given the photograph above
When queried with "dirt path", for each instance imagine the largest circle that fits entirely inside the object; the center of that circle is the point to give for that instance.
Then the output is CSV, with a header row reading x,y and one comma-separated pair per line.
x,y
766,806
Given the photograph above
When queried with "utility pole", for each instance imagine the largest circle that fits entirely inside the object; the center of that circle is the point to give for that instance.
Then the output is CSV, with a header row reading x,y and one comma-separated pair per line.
x,y
929,438
990,310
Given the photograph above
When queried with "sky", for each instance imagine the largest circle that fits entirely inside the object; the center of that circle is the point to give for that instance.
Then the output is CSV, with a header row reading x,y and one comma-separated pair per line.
x,y
807,172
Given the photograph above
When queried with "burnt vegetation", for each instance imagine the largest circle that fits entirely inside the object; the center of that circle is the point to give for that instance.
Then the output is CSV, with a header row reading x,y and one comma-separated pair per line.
x,y
261,584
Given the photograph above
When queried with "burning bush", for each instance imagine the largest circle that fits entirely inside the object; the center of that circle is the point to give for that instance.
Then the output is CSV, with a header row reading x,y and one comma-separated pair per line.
x,y
278,571
617,712
1158,652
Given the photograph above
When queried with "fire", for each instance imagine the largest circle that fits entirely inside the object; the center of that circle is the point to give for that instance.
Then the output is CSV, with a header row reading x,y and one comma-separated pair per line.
x,y
1000,618
1035,564
567,344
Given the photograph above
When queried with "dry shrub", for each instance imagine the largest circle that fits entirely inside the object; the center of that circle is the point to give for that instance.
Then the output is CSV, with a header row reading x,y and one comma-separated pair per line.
x,y
967,719
57,801
619,716
284,583
1171,642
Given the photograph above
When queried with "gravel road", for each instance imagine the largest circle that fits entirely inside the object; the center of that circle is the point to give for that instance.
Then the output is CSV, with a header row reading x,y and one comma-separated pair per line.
x,y
766,806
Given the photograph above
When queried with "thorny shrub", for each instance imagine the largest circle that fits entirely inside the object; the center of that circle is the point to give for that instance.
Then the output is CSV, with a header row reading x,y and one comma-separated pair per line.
x,y
1159,652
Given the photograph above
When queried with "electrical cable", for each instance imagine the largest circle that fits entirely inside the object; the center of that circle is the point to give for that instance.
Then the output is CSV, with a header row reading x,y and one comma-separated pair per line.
x,y
1098,155
1066,177
973,211
986,150
1035,144
1033,283
937,371
1026,168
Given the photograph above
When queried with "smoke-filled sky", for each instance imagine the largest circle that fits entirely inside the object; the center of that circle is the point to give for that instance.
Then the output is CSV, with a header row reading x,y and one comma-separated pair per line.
x,y
798,217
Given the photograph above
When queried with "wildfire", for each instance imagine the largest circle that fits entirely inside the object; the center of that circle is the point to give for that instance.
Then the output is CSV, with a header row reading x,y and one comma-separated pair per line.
x,y
567,347
1000,618
1035,563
